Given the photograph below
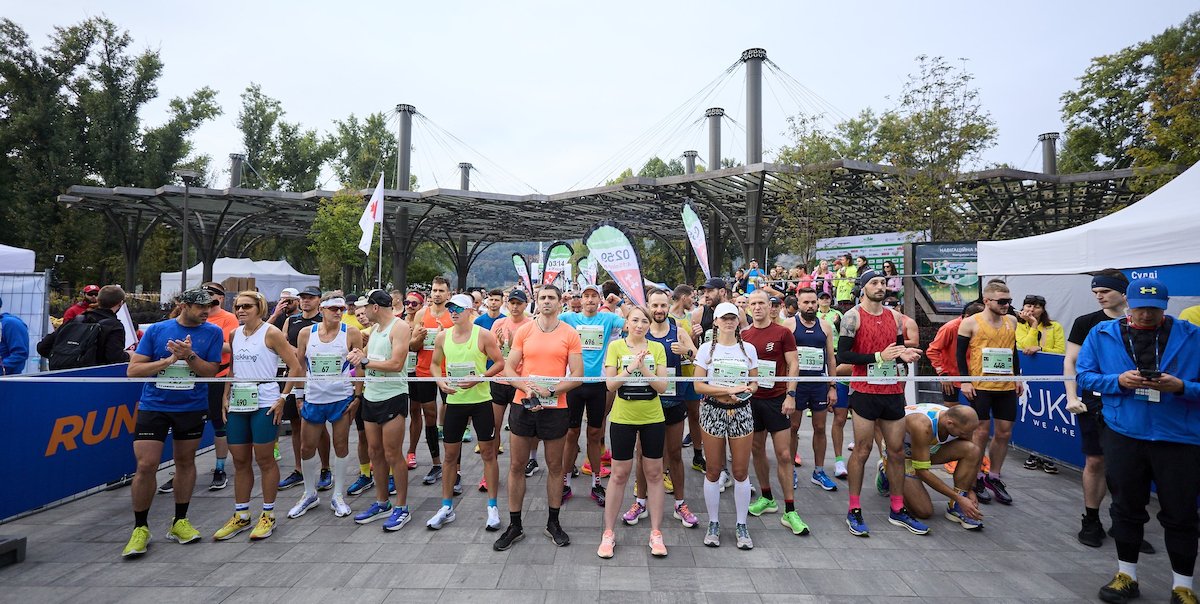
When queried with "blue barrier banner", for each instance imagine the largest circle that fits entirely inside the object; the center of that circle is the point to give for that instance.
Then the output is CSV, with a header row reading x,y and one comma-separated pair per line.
x,y
1043,423
65,438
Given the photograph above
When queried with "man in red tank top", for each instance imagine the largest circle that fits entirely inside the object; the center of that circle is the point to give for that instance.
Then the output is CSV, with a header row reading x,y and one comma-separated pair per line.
x,y
872,340
427,323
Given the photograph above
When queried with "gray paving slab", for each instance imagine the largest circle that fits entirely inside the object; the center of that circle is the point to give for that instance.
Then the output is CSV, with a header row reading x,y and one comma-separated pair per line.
x,y
1026,553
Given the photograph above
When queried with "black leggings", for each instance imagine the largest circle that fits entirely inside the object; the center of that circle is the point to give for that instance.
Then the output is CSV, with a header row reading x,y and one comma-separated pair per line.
x,y
622,440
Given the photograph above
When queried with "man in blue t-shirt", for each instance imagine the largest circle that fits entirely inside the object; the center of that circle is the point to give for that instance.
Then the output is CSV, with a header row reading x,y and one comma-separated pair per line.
x,y
184,347
753,276
595,332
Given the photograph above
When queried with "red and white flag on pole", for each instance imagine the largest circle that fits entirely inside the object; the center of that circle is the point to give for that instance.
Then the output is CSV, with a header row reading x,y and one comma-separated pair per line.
x,y
372,215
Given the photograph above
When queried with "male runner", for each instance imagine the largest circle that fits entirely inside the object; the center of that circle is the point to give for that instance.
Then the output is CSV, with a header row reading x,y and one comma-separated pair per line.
x,y
815,347
872,340
183,347
224,319
987,345
289,302
683,303
467,351
943,352
385,407
504,393
935,434
495,301
595,331
429,321
413,302
309,315
365,479
545,350
773,404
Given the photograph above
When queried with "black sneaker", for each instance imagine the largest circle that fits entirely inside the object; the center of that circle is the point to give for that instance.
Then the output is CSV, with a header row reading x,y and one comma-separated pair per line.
x,y
1092,533
434,474
555,533
458,484
1031,463
566,493
1120,590
1049,467
981,492
219,481
167,487
511,535
698,463
998,488
531,468
598,494
574,471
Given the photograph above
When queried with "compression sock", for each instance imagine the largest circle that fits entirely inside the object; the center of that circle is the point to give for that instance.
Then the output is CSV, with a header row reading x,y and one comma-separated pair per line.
x,y
431,439
741,499
339,474
712,498
311,468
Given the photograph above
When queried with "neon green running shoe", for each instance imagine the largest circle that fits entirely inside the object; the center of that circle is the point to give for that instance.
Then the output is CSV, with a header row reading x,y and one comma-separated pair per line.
x,y
182,531
763,506
235,525
137,542
792,520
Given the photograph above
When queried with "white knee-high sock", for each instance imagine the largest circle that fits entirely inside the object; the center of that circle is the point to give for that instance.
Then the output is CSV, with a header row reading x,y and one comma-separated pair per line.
x,y
741,499
311,468
339,475
712,498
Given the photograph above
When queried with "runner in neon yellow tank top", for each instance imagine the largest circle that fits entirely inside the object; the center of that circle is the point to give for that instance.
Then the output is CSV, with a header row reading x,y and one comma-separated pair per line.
x,y
463,352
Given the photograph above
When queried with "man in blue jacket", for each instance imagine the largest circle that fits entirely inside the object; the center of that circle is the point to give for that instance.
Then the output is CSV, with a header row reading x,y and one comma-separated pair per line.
x,y
1147,369
14,343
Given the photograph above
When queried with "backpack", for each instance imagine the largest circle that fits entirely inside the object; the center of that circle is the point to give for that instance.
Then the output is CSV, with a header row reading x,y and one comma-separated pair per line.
x,y
75,345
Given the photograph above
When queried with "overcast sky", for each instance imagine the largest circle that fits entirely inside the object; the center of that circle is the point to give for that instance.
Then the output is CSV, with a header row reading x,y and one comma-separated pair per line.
x,y
553,91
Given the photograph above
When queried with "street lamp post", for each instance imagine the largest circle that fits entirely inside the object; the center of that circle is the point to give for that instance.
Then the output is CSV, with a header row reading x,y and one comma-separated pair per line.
x,y
187,176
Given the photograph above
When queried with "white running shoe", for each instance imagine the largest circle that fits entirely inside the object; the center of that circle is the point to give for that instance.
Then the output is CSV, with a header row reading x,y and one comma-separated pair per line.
x,y
725,480
839,469
443,516
307,502
493,523
339,507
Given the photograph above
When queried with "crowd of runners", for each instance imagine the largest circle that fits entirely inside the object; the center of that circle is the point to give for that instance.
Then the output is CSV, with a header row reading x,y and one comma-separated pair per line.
x,y
585,386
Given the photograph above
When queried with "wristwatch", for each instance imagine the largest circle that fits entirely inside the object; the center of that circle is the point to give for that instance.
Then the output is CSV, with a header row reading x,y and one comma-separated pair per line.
x,y
190,357
550,389
792,393
364,363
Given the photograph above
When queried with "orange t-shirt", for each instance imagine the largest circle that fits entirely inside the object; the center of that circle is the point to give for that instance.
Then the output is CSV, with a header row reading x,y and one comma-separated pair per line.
x,y
547,354
425,355
228,322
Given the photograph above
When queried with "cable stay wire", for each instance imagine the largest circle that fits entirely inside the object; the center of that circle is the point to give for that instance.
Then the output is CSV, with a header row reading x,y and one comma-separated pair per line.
x,y
445,135
1031,152
819,101
389,115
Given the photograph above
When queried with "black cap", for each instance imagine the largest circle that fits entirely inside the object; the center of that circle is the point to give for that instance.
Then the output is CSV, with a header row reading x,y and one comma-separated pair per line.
x,y
351,298
311,291
824,295
380,297
714,283
518,294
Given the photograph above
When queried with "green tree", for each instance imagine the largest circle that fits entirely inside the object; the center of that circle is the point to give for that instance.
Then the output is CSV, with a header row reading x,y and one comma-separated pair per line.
x,y
1172,126
284,155
334,239
362,150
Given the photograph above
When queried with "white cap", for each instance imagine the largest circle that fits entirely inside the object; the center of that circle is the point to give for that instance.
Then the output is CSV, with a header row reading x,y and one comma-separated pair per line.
x,y
725,308
289,292
463,300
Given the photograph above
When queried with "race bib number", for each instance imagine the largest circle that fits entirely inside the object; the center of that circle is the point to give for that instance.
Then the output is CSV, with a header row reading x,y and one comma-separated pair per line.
x,y
670,392
727,373
176,372
373,358
767,369
410,362
591,337
461,370
627,363
707,336
881,371
997,361
811,359
430,336
1149,395
243,397
325,363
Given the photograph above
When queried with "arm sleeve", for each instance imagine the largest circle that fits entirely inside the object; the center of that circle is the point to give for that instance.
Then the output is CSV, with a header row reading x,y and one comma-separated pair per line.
x,y
1054,340
844,355
960,355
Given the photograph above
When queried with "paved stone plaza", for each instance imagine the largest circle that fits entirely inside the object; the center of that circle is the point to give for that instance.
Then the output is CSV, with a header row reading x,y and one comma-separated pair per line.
x,y
1027,552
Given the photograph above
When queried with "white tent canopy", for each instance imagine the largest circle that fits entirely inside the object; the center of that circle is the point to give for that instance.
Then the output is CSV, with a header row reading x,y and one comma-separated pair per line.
x,y
16,260
1159,230
270,276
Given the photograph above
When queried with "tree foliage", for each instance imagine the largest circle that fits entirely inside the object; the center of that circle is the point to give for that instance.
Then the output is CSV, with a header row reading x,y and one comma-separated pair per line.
x,y
362,150
284,156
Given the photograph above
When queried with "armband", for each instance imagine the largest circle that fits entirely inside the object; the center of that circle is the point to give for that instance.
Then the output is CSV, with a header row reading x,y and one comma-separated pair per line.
x,y
921,465
298,392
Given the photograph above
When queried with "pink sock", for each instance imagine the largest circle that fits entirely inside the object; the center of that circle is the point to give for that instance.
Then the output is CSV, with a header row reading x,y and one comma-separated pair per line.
x,y
897,502
854,502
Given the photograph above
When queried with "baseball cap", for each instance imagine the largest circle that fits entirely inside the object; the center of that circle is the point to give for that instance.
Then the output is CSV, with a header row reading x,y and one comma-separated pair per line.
x,y
592,287
196,296
725,308
1147,293
91,288
289,292
311,290
376,296
714,283
463,300
775,300
824,295
519,294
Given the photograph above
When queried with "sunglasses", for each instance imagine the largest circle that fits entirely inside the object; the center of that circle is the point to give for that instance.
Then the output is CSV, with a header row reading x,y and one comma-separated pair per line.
x,y
1003,301
1035,300
90,293
245,306
412,303
455,308
336,308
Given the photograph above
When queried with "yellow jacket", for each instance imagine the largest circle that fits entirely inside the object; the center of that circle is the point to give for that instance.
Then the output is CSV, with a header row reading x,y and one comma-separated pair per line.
x,y
1051,339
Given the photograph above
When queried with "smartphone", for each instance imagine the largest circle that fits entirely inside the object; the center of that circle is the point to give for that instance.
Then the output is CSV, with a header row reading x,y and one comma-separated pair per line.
x,y
742,396
1149,375
531,403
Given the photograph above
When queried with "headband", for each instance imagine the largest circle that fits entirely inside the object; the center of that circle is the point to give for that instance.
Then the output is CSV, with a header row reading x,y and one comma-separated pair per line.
x,y
418,295
1108,282
334,302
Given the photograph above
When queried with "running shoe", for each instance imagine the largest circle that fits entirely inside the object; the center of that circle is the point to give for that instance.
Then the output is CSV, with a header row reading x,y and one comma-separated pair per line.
x,y
566,493
219,481
668,484
687,440
636,512
391,485
905,519
443,516
712,537
607,543
182,531
137,542
477,449
792,520
657,547
531,468
276,453
411,460
236,525
743,537
167,487
506,427
377,511
556,534
363,483
434,474
483,485
798,462
339,507
467,436
763,506
822,480
724,480
981,493
954,513
511,535
325,482
839,470
698,462
264,528
1120,590
850,447
998,488
1049,467
307,501
684,515
605,457
881,481
858,527
1183,595
950,466
587,469
458,490
499,448
598,494
291,480
398,519
493,521
1031,463
574,471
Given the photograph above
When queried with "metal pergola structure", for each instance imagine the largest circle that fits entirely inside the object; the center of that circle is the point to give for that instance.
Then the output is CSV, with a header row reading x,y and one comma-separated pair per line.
x,y
1011,203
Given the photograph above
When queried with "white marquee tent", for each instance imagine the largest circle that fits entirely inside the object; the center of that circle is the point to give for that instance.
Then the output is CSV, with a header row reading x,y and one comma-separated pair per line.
x,y
16,260
270,276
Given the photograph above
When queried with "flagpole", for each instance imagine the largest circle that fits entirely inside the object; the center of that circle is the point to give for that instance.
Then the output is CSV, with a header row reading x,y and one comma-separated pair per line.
x,y
379,280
